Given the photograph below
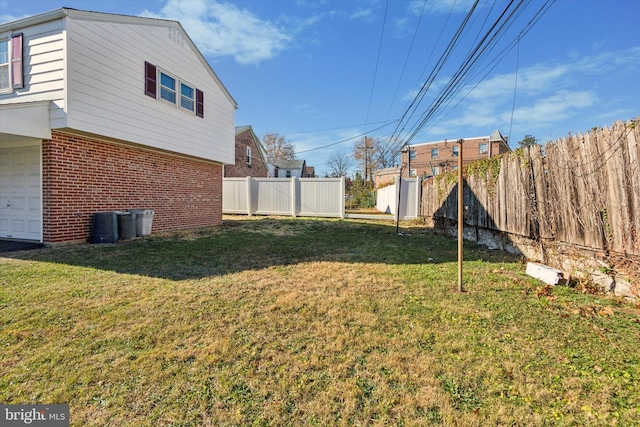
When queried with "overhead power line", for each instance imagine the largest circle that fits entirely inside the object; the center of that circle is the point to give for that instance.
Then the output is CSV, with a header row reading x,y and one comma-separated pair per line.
x,y
410,111
490,66
465,72
406,61
347,139
467,64
375,72
338,128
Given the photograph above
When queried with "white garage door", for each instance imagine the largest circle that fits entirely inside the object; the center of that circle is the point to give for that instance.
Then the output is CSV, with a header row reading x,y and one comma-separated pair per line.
x,y
20,193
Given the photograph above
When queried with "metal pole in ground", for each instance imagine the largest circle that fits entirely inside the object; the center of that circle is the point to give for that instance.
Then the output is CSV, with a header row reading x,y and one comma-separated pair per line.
x,y
460,215
403,150
399,183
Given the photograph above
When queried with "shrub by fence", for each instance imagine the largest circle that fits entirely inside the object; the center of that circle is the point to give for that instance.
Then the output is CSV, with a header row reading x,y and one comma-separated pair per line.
x,y
582,191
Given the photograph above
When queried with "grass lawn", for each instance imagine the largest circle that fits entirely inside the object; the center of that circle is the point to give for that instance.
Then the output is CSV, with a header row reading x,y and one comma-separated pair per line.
x,y
268,321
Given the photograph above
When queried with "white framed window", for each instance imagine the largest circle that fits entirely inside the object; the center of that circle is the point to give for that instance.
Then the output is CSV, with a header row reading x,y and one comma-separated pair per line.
x,y
172,90
11,68
435,152
5,79
187,96
248,152
288,174
412,154
413,172
455,150
483,148
168,88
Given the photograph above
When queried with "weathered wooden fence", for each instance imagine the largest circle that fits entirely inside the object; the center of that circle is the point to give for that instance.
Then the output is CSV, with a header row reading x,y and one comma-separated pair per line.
x,y
582,190
284,196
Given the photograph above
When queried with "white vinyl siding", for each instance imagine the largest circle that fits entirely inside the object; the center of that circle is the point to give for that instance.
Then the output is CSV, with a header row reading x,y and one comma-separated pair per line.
x,y
91,67
106,82
43,69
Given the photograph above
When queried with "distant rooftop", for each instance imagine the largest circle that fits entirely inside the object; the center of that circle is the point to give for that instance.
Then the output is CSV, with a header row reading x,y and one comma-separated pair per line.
x,y
288,164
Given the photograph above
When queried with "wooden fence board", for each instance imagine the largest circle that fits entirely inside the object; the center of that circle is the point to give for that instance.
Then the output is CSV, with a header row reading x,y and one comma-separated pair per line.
x,y
582,190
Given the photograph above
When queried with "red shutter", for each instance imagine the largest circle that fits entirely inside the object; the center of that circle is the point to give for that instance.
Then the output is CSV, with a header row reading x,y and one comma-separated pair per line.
x,y
150,80
16,61
199,103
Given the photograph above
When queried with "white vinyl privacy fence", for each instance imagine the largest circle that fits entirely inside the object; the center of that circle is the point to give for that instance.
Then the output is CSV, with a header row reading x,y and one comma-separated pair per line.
x,y
322,197
405,191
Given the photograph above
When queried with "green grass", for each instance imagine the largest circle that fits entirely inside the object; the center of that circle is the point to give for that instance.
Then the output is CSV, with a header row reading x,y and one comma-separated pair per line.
x,y
273,321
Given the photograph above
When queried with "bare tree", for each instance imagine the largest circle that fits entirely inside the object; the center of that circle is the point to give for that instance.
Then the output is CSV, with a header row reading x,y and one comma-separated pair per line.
x,y
372,154
363,153
278,147
339,164
385,155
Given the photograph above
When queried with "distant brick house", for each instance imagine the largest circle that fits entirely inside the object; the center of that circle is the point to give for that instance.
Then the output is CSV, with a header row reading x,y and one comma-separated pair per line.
x,y
433,158
251,158
383,177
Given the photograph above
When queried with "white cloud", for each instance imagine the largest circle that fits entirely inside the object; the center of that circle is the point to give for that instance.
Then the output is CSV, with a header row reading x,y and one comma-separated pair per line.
x,y
222,29
440,6
546,93
360,13
8,18
558,106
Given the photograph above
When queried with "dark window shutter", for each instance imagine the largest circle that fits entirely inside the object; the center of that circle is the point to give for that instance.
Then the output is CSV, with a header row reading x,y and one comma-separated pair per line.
x,y
199,103
150,79
16,61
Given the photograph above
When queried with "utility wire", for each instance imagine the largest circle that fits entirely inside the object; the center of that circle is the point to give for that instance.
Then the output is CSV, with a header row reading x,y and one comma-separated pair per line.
x,y
338,128
404,67
345,140
515,88
410,111
454,83
375,73
497,59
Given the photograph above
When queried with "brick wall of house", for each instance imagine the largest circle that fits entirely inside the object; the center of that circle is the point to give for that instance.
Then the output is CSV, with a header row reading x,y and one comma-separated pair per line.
x,y
384,177
84,175
241,169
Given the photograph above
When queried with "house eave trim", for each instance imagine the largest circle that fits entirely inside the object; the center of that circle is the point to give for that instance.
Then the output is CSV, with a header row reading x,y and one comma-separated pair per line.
x,y
26,119
34,20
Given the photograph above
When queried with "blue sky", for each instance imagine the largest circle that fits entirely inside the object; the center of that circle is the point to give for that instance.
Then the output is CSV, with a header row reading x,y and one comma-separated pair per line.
x,y
321,72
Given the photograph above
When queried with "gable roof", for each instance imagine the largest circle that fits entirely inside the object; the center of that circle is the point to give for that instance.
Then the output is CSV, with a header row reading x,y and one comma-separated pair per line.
x,y
496,136
65,12
387,171
288,164
256,140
